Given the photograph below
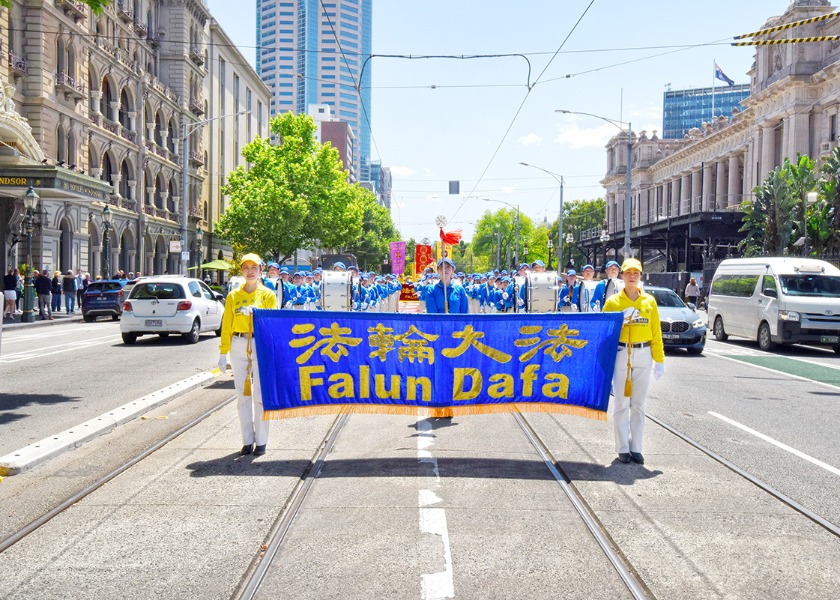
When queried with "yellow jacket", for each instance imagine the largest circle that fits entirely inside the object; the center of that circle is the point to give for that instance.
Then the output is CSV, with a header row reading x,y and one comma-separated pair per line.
x,y
233,321
645,324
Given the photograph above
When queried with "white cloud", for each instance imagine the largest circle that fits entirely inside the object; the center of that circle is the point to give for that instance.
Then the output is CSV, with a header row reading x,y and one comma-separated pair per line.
x,y
507,189
402,171
528,140
574,136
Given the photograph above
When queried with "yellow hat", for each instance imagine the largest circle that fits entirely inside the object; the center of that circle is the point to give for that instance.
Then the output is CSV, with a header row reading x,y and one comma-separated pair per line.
x,y
251,258
631,264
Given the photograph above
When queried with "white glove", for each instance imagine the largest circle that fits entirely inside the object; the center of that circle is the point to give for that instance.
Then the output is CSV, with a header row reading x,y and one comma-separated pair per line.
x,y
222,363
658,370
246,310
505,295
628,314
288,305
364,305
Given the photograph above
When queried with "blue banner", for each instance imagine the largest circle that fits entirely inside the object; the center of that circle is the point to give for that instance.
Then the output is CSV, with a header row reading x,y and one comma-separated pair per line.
x,y
435,365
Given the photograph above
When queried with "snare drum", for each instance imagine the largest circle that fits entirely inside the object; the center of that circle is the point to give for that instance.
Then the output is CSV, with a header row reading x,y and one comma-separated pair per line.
x,y
541,292
587,290
336,291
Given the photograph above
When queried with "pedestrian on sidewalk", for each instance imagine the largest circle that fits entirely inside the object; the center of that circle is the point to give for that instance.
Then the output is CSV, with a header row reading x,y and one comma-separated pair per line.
x,y
238,339
9,294
692,291
43,287
640,349
68,287
18,289
81,286
55,290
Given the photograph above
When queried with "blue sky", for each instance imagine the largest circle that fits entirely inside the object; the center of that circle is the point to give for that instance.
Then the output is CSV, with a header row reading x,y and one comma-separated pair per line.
x,y
435,120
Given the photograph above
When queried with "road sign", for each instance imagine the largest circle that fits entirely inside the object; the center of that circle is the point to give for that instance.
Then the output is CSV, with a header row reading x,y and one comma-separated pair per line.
x,y
185,255
174,246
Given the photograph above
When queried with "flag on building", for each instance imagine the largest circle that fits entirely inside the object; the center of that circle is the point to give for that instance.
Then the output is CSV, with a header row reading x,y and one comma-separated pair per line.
x,y
719,74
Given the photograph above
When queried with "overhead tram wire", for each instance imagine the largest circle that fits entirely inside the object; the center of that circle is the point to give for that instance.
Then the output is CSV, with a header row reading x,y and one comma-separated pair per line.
x,y
519,110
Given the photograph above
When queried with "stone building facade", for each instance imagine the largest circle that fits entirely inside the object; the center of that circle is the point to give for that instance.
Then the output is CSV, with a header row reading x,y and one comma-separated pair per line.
x,y
687,193
108,98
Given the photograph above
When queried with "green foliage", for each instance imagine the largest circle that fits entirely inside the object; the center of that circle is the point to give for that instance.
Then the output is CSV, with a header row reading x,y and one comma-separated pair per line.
x,y
580,216
372,247
502,222
96,5
295,195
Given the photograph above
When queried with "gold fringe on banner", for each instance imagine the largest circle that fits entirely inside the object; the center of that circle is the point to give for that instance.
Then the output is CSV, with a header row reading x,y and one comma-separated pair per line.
x,y
435,413
822,38
786,26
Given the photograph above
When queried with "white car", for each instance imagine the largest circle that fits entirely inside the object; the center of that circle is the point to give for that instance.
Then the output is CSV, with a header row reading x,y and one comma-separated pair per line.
x,y
166,304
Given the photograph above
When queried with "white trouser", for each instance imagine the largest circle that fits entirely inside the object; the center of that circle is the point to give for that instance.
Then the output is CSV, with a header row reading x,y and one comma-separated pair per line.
x,y
254,429
629,413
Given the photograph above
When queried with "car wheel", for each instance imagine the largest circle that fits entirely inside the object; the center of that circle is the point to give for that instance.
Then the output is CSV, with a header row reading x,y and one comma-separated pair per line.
x,y
218,332
129,338
694,350
765,342
720,334
163,336
193,334
89,318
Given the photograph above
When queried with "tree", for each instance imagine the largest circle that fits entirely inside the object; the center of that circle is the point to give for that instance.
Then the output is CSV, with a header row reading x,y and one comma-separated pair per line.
x,y
502,221
372,248
580,216
295,195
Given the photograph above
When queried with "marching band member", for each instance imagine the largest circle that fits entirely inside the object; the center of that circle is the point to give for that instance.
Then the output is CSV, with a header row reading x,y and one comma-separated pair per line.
x,y
237,338
639,348
606,288
569,293
446,296
587,288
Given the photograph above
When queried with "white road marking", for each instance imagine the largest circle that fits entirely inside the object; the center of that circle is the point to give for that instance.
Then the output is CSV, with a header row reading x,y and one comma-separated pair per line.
x,y
58,349
42,333
435,586
778,444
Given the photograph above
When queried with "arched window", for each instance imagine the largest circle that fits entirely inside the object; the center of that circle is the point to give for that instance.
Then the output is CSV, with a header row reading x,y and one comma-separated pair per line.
x,y
72,160
108,170
60,56
150,183
170,136
92,104
61,144
158,134
125,175
105,102
71,61
124,108
171,200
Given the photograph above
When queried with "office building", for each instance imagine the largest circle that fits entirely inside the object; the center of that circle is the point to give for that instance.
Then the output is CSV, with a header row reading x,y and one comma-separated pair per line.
x,y
308,56
684,110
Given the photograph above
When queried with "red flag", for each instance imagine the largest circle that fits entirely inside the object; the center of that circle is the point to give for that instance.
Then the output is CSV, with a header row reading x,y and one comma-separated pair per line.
x,y
451,238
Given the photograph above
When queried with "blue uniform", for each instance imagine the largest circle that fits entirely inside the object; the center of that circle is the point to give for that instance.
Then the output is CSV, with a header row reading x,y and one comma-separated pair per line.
x,y
569,297
457,296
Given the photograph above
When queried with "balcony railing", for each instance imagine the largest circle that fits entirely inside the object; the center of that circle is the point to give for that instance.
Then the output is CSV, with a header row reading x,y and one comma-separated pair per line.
x,y
111,126
127,203
141,28
17,64
95,119
68,84
196,55
197,106
150,145
197,157
129,135
124,11
173,157
161,212
161,152
74,8
153,39
149,210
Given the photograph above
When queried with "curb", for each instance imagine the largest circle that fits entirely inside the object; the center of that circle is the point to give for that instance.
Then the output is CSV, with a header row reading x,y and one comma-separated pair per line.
x,y
41,451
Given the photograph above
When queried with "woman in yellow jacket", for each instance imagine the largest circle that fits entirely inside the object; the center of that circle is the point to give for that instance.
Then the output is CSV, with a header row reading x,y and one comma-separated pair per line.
x,y
640,349
237,338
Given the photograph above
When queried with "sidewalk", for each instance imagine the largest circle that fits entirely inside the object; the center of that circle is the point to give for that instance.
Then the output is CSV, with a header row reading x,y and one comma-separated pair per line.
x,y
59,317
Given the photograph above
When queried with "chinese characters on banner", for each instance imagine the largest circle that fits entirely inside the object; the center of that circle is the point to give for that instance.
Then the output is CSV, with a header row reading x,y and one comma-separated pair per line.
x,y
423,258
435,365
397,258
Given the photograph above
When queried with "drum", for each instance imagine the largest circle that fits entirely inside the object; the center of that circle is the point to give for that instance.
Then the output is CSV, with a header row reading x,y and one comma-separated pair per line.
x,y
587,290
541,292
336,291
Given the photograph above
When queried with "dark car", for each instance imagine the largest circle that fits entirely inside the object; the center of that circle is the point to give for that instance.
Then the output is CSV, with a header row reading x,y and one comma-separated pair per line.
x,y
681,326
103,298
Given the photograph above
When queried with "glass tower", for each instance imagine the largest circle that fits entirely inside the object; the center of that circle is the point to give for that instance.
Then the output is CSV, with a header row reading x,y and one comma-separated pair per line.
x,y
686,109
314,53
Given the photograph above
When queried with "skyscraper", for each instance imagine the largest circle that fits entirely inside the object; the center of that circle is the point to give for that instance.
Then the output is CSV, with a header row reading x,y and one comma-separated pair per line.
x,y
685,109
315,52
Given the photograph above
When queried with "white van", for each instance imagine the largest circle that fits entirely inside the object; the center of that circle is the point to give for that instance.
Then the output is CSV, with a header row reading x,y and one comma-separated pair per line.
x,y
776,300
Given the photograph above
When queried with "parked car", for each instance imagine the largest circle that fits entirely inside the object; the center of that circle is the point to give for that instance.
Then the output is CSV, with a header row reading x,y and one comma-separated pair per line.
x,y
774,300
103,299
681,326
165,305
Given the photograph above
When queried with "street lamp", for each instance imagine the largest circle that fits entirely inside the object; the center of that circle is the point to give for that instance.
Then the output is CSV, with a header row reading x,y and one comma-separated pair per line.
x,y
629,178
525,253
30,205
570,239
106,260
550,246
516,256
605,237
186,132
560,217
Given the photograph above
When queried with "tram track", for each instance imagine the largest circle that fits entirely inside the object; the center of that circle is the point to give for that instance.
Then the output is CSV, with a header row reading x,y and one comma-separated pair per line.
x,y
52,513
